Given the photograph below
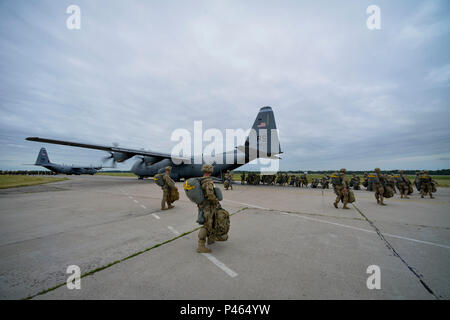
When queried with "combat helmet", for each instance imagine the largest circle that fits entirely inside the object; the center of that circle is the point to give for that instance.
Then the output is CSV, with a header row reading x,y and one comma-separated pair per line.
x,y
207,168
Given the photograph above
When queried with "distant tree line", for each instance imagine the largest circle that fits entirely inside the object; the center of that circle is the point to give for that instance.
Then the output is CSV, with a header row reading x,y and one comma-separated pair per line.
x,y
27,172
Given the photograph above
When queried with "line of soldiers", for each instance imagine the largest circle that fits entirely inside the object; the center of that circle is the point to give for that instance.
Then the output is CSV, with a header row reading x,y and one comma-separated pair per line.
x,y
28,172
382,185
283,179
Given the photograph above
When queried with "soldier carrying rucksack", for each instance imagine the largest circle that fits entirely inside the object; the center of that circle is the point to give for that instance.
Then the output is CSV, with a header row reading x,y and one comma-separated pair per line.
x,y
340,185
426,185
168,187
214,219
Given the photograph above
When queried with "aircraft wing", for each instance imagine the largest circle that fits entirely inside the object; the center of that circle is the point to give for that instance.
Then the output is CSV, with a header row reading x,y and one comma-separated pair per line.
x,y
130,152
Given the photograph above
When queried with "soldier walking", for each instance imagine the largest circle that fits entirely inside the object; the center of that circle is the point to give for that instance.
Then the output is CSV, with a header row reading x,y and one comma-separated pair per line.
x,y
168,184
209,208
340,185
378,186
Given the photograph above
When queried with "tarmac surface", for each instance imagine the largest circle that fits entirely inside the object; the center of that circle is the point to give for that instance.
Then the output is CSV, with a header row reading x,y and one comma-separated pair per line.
x,y
284,243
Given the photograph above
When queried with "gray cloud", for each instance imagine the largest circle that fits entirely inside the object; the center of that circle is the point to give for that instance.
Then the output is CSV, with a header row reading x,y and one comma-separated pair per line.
x,y
344,96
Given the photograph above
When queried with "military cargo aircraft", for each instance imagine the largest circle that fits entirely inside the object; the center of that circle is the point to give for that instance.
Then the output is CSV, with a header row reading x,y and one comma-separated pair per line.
x,y
44,161
262,139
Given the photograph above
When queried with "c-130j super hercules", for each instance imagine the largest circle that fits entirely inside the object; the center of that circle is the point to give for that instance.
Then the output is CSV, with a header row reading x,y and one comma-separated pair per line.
x,y
262,142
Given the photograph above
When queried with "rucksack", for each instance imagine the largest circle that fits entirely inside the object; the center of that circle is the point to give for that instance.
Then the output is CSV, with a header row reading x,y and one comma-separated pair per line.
x,y
173,194
336,179
351,196
158,178
222,223
388,192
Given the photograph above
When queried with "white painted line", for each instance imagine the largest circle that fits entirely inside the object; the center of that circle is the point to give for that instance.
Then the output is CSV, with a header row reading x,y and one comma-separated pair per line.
x,y
347,226
220,264
136,201
247,204
156,216
371,231
143,207
173,230
130,197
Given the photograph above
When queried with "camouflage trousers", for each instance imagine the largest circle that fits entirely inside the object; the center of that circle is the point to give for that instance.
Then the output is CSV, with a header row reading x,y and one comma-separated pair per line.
x,y
425,188
165,198
341,194
209,213
379,190
402,188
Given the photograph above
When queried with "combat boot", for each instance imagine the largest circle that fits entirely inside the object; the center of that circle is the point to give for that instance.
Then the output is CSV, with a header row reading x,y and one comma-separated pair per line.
x,y
382,203
201,247
335,205
170,206
345,206
211,240
431,196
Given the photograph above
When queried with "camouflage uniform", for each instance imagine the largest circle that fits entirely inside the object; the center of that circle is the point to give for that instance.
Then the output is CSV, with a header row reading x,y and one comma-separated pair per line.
x,y
209,208
354,182
341,190
426,186
379,187
168,183
228,180
403,185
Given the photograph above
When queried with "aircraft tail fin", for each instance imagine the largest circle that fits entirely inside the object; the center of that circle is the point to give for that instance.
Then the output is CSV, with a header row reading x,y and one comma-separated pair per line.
x,y
263,141
42,158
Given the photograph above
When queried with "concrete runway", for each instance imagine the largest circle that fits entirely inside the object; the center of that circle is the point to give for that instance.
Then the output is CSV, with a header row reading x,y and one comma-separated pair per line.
x,y
285,243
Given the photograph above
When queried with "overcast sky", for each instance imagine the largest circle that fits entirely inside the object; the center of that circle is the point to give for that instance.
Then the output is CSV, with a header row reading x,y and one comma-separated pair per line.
x,y
343,95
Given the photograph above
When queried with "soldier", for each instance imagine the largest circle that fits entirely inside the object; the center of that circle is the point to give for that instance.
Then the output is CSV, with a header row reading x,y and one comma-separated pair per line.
x,y
426,186
242,177
168,183
340,186
354,182
378,187
228,180
209,207
403,185
325,182
417,180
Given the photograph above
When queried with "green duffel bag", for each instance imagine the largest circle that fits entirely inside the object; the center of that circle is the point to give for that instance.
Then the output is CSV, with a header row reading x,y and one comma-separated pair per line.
x,y
373,178
193,190
388,192
158,178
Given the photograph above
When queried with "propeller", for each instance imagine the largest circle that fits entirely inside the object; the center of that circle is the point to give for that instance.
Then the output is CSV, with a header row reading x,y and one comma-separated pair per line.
x,y
111,157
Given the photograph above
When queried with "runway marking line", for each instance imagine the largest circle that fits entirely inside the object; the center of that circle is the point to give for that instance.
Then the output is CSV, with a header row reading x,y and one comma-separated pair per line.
x,y
173,230
143,207
220,264
136,201
156,216
89,273
349,227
